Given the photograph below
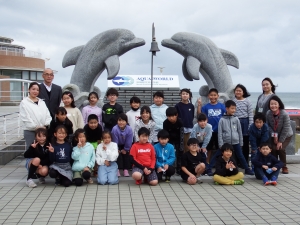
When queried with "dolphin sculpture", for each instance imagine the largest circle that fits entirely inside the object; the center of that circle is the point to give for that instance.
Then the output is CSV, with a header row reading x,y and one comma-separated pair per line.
x,y
201,54
101,52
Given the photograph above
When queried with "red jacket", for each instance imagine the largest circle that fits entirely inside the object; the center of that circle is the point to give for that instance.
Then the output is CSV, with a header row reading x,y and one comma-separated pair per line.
x,y
143,155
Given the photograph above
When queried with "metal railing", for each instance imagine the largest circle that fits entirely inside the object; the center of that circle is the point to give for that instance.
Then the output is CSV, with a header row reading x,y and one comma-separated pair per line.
x,y
18,52
11,137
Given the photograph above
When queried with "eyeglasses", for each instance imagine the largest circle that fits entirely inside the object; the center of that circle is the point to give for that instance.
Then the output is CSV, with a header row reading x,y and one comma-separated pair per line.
x,y
48,74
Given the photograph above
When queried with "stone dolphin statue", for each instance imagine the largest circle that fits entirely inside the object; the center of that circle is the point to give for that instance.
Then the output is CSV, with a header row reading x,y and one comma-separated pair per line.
x,y
101,52
201,54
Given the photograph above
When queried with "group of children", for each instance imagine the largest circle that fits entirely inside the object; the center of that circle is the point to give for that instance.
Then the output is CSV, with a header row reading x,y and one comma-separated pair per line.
x,y
148,140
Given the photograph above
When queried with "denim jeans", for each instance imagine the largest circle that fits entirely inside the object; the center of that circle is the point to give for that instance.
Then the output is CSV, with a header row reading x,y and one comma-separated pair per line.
x,y
213,159
108,174
239,154
260,172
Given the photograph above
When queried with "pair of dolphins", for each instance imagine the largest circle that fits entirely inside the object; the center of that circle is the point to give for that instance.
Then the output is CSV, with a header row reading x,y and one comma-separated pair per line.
x,y
103,51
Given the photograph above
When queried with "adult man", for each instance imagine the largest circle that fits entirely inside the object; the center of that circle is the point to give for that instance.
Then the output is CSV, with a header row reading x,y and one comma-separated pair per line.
x,y
49,92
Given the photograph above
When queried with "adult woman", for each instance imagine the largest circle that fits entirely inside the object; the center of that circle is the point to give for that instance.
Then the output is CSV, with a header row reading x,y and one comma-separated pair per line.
x,y
280,129
34,113
268,87
244,111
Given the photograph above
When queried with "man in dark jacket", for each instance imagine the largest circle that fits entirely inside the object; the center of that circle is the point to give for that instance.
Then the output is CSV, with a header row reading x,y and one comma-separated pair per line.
x,y
49,92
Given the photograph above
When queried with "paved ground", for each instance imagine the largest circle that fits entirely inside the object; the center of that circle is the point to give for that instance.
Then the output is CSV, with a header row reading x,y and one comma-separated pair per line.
x,y
168,203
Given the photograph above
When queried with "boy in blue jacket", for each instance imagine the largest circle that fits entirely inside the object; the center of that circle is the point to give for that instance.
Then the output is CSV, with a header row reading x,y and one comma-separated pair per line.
x,y
258,133
165,156
266,166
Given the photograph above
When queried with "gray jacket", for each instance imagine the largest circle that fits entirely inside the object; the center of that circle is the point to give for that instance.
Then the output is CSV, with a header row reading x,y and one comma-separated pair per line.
x,y
284,128
230,131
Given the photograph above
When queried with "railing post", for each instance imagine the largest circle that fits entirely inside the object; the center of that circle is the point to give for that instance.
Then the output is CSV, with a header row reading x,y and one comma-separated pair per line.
x,y
4,129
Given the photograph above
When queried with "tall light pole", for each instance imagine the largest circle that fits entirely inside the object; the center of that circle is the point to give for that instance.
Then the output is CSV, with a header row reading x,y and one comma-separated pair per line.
x,y
154,48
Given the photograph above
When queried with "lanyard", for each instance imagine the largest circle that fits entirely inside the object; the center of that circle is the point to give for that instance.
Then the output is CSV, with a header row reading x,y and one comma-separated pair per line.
x,y
276,121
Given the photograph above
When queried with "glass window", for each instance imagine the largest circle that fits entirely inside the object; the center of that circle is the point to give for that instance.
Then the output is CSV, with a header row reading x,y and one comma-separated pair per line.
x,y
32,75
12,73
25,75
40,76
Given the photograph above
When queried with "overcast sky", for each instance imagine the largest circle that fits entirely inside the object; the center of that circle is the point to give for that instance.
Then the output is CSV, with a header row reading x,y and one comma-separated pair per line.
x,y
264,35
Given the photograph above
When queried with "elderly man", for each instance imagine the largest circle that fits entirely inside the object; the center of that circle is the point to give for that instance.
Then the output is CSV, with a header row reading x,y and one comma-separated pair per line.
x,y
49,92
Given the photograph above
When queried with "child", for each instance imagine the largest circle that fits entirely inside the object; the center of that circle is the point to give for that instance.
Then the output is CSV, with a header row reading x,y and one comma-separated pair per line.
x,y
74,113
60,119
266,166
122,135
92,108
226,168
174,126
192,164
84,158
202,131
37,158
214,111
280,129
158,110
142,155
229,131
258,133
165,156
106,157
60,156
93,130
244,111
185,111
145,121
133,114
112,109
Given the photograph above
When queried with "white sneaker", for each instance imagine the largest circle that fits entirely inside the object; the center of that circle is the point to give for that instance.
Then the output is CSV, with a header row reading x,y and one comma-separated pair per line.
x,y
31,183
90,181
199,181
42,180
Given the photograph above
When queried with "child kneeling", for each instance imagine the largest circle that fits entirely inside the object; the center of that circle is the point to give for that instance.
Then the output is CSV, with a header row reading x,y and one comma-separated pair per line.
x,y
226,168
142,156
106,157
192,163
266,166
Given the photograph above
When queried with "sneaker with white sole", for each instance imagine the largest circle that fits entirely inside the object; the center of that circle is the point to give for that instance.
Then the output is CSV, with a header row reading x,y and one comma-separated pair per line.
x,y
90,181
42,180
30,183
199,181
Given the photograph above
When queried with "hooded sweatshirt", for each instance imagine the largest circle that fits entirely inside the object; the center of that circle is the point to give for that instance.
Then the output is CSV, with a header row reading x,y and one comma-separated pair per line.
x,y
229,131
122,137
221,167
165,155
203,135
83,157
268,160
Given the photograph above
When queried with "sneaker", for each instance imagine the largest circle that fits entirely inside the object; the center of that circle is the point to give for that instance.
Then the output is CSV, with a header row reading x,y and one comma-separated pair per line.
x,y
119,173
249,171
209,172
30,183
285,170
274,181
57,181
125,173
42,180
239,182
266,181
199,181
167,180
216,183
90,181
139,182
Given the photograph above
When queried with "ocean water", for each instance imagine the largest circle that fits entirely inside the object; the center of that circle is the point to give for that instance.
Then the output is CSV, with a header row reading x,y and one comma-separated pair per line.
x,y
289,99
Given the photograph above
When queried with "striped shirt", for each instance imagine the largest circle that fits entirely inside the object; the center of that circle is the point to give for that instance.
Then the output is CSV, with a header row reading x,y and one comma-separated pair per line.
x,y
244,109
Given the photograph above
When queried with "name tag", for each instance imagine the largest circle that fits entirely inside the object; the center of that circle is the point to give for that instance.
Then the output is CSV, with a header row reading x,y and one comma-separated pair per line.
x,y
274,134
260,110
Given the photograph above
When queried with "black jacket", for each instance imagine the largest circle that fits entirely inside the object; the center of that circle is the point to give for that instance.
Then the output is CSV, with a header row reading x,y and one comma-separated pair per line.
x,y
221,167
39,152
268,160
55,122
174,130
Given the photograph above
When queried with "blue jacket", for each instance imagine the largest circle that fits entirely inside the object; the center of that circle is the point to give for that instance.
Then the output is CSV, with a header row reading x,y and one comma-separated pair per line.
x,y
258,136
268,160
164,155
83,157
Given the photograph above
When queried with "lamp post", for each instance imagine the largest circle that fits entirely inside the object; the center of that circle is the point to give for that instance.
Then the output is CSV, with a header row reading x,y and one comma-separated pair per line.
x,y
154,48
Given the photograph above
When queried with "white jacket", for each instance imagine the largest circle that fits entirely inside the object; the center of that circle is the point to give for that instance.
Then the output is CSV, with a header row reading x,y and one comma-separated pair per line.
x,y
110,154
34,115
